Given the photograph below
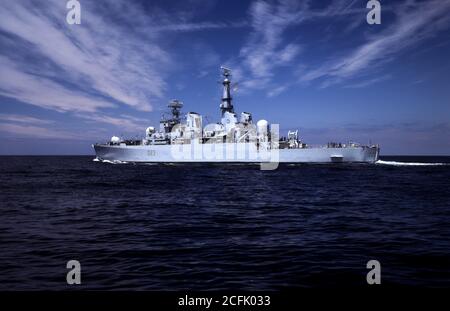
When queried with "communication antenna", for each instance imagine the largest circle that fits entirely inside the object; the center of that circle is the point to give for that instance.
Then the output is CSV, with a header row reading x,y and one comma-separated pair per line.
x,y
175,105
226,71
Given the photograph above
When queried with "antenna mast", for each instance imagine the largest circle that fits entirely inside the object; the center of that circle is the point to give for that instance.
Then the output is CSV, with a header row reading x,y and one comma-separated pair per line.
x,y
226,104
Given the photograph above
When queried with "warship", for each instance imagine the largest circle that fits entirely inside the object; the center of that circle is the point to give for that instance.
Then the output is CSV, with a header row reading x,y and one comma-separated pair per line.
x,y
235,139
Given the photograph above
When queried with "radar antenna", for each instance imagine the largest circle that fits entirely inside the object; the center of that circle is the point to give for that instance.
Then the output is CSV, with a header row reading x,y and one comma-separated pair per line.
x,y
226,71
175,105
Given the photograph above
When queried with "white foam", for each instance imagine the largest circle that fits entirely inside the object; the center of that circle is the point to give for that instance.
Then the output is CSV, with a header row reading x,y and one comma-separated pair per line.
x,y
110,162
395,163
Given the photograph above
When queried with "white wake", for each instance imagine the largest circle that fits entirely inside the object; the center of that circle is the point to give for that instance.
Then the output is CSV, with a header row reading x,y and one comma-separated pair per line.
x,y
408,163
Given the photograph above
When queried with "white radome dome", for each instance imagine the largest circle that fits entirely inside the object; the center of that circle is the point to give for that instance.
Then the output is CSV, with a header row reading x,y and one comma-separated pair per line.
x,y
115,140
262,125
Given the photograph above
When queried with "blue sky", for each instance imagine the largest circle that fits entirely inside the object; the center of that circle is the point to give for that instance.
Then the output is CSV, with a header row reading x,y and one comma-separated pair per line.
x,y
312,65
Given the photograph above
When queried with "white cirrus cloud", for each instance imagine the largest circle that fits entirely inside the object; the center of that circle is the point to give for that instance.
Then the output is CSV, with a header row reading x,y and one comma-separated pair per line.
x,y
98,57
125,123
115,57
45,93
266,48
413,25
35,131
17,118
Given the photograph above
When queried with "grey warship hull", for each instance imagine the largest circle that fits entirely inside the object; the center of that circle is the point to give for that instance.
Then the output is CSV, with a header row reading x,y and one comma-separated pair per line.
x,y
229,153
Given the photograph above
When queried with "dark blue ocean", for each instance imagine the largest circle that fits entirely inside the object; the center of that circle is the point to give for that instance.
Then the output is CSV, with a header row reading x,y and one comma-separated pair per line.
x,y
193,227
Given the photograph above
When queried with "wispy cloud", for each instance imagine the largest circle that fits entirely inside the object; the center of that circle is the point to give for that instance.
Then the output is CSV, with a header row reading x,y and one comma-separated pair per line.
x,y
276,91
4,117
368,82
184,27
46,93
29,126
101,63
26,126
125,123
413,25
34,131
265,49
97,58
23,126
205,59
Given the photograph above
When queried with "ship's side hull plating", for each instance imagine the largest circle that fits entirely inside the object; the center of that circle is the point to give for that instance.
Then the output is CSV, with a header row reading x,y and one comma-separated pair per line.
x,y
229,153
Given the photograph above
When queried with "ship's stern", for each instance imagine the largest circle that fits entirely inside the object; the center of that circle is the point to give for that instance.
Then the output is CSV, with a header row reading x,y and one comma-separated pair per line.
x,y
372,154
